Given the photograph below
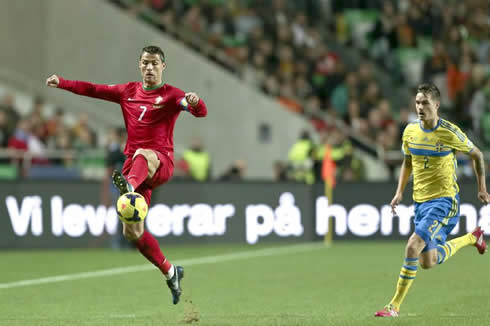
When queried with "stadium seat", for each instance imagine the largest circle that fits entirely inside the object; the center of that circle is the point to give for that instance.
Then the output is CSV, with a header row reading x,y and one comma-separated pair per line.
x,y
412,64
486,127
425,45
8,172
92,167
360,23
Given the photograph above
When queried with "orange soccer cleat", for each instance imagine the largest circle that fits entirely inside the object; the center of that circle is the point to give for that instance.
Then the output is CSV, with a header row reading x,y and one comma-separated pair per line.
x,y
388,311
480,243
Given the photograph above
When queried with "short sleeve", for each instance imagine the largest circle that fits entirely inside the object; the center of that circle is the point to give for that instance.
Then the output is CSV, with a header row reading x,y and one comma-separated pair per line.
x,y
404,148
460,142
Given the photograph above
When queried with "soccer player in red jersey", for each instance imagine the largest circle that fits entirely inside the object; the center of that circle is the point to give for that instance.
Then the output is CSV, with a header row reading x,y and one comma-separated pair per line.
x,y
150,109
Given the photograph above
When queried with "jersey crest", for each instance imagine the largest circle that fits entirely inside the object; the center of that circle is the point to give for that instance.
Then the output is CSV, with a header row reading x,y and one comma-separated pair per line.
x,y
157,104
439,146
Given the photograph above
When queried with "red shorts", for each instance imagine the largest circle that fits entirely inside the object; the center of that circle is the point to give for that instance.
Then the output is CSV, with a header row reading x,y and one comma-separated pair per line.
x,y
161,176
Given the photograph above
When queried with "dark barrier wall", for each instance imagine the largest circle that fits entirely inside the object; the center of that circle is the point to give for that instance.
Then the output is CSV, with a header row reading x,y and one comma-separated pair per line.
x,y
68,214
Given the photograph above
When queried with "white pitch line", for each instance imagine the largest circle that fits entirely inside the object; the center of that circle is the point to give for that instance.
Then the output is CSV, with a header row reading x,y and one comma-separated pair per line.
x,y
184,262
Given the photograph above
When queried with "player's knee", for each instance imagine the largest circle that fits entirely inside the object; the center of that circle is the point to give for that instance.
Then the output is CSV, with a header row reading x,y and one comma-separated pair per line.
x,y
414,246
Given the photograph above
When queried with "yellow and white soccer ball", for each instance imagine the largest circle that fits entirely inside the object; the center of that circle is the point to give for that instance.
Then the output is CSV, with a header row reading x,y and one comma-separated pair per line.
x,y
132,208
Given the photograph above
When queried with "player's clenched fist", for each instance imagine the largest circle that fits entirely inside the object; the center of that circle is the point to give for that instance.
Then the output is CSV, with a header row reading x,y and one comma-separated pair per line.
x,y
484,197
395,201
192,98
53,81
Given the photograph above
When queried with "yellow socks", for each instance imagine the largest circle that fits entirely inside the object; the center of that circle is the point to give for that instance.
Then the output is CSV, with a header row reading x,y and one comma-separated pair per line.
x,y
405,280
451,247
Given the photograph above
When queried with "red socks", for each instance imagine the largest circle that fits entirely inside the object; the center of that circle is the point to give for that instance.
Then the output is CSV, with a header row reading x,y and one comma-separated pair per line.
x,y
148,246
139,171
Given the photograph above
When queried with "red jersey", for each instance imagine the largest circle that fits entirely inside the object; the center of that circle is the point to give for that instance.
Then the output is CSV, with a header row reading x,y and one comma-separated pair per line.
x,y
149,115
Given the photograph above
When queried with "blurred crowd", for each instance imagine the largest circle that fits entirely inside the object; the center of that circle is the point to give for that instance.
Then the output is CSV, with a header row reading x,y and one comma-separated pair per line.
x,y
444,42
439,41
39,134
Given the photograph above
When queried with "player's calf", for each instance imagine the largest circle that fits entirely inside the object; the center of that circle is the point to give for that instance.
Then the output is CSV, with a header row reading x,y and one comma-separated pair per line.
x,y
133,232
428,259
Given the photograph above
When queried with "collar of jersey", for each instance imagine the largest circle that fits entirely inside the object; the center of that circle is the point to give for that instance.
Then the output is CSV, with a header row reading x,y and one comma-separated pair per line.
x,y
152,88
430,130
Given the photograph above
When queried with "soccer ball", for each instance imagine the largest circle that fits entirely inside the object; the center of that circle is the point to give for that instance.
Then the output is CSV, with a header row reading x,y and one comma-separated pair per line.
x,y
132,208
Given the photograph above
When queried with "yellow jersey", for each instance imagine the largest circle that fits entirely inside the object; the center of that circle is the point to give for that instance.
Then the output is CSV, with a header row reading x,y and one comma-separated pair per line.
x,y
433,158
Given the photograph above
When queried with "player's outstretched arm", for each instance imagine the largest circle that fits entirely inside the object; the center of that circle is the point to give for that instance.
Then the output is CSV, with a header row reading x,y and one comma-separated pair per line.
x,y
195,105
405,172
479,168
111,93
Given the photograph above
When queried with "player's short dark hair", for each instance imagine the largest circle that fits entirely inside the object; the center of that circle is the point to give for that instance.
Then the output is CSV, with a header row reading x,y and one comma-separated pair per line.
x,y
430,89
153,49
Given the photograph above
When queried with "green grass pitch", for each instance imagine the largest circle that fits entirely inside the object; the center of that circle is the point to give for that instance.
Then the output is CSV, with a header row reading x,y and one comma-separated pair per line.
x,y
341,285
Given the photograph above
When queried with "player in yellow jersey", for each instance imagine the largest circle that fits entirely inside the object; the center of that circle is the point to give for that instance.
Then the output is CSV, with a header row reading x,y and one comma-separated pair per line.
x,y
429,146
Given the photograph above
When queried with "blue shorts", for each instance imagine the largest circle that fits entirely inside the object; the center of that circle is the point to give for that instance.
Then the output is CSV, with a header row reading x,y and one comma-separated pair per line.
x,y
435,219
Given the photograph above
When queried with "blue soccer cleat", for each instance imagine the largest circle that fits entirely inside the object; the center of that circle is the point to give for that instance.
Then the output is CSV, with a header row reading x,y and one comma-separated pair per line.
x,y
174,283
